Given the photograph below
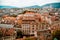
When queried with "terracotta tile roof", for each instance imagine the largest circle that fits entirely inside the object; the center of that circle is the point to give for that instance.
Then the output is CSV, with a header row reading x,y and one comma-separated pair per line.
x,y
19,21
4,16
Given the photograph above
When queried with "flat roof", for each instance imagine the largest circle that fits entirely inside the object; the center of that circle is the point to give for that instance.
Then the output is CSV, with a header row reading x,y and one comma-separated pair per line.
x,y
6,25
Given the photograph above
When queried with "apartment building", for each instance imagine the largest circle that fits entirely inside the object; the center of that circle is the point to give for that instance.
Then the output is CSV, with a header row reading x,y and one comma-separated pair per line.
x,y
30,22
27,27
44,34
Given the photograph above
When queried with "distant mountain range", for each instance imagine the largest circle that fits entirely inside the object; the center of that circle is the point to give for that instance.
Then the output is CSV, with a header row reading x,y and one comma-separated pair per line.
x,y
35,6
7,7
54,5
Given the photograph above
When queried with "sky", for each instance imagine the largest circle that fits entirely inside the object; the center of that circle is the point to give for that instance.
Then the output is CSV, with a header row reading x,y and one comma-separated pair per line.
x,y
24,3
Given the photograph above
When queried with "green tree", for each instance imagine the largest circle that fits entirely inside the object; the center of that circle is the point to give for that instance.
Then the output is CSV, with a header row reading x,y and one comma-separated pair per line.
x,y
56,34
28,39
19,34
14,15
1,34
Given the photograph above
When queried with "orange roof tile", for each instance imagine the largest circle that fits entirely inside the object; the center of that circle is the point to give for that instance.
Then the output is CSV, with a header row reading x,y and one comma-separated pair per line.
x,y
19,21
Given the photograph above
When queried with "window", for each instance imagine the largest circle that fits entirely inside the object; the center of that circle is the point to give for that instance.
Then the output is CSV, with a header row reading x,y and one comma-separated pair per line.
x,y
32,25
32,31
33,28
26,26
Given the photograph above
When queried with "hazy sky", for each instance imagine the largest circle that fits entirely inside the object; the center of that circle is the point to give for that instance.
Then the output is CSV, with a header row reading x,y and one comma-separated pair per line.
x,y
24,3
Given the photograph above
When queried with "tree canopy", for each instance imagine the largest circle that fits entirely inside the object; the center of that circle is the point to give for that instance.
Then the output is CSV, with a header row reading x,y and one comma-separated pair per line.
x,y
56,34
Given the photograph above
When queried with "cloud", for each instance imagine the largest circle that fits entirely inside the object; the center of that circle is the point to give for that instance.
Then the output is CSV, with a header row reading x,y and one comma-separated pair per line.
x,y
18,3
43,2
24,3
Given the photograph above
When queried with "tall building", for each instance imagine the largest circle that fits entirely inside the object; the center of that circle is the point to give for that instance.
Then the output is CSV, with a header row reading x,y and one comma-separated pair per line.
x,y
30,22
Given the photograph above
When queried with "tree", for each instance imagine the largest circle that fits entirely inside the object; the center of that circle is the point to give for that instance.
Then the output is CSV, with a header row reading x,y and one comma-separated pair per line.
x,y
28,39
14,15
1,34
19,34
56,34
